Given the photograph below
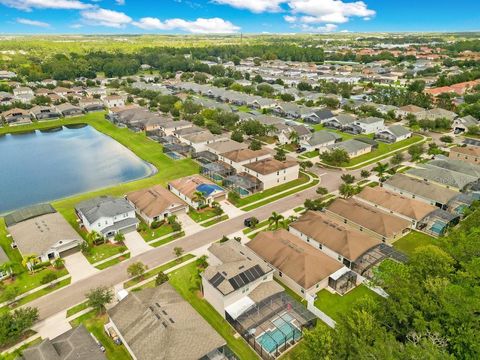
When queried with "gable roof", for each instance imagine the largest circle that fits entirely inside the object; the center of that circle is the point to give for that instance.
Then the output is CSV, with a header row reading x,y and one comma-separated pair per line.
x,y
158,324
269,166
397,130
154,200
323,137
28,213
295,258
334,235
103,206
190,184
240,155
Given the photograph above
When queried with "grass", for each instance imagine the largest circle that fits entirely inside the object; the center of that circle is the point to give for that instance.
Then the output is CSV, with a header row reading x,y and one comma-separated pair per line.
x,y
104,251
333,304
138,143
167,240
215,221
185,281
299,209
258,226
18,353
94,323
310,154
413,240
201,215
154,272
77,308
302,179
267,139
152,234
112,262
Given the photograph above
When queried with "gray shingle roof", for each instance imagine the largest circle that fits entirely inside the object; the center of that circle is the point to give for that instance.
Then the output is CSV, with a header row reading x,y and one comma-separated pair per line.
x,y
323,137
350,146
103,206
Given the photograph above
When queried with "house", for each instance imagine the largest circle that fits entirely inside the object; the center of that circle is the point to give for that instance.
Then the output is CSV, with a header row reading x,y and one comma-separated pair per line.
x,y
96,92
188,187
223,146
370,220
159,324
16,116
200,140
284,132
298,265
19,91
272,172
469,154
321,139
170,127
6,98
406,110
318,116
69,110
107,215
288,110
112,101
368,125
156,204
332,237
393,134
461,125
91,105
6,75
352,147
420,189
4,260
235,278
76,343
437,113
340,121
41,231
44,113
241,157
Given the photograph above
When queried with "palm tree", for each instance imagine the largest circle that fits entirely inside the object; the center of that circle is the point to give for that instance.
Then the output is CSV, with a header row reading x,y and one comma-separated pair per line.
x,y
275,218
270,129
29,261
380,169
93,237
199,197
347,190
293,137
7,268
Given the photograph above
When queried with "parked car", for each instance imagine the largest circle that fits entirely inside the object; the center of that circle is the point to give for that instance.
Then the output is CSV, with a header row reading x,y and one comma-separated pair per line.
x,y
301,150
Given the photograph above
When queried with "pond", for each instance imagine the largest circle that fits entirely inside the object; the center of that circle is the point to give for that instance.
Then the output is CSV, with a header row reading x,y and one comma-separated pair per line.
x,y
43,166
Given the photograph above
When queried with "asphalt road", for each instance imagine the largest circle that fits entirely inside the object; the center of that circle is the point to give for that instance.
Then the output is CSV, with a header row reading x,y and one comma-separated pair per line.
x,y
73,294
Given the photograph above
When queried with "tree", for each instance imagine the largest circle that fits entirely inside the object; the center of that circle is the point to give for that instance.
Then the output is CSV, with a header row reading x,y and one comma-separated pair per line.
x,y
446,139
98,297
237,136
275,219
255,145
48,278
364,174
335,157
307,164
253,222
280,155
199,197
119,237
30,261
137,269
161,278
294,137
347,190
397,159
178,251
217,209
380,168
415,151
14,324
322,190
348,178
7,268
202,262
315,205
59,263
94,237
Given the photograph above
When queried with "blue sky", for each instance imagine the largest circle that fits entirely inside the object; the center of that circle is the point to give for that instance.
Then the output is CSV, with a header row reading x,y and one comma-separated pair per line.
x,y
234,16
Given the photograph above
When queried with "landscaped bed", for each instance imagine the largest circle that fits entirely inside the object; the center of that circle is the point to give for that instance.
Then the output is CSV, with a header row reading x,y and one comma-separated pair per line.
x,y
412,241
333,304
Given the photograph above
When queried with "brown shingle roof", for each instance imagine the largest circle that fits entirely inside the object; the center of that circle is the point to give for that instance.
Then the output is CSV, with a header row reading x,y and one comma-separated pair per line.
x,y
154,201
369,217
299,261
188,185
334,235
467,150
269,166
244,154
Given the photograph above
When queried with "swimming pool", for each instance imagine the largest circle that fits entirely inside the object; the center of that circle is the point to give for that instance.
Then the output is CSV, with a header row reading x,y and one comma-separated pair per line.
x,y
173,155
208,189
438,227
284,332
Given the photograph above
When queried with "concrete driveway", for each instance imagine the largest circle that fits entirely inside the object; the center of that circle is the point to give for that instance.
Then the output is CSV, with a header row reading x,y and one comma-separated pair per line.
x,y
231,210
79,267
136,244
188,225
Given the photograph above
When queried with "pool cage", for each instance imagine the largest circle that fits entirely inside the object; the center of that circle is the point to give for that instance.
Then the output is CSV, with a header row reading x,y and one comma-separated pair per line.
x,y
182,149
364,264
217,170
205,157
437,222
273,325
243,184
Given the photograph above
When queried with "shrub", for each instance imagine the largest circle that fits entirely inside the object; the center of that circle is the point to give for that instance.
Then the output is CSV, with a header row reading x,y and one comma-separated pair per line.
x,y
48,278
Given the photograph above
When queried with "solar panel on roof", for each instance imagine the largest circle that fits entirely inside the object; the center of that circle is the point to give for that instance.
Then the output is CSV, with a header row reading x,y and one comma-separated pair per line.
x,y
217,279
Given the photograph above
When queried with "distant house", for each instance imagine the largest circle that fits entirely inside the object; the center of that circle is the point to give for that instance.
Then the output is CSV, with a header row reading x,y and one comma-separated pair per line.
x,y
352,147
393,134
220,147
91,105
200,140
45,113
156,203
5,75
436,113
461,125
319,116
23,91
321,139
285,131
39,230
241,157
368,125
112,101
159,324
6,98
469,154
16,117
169,127
272,172
186,187
76,343
406,110
69,110
340,121
298,265
107,215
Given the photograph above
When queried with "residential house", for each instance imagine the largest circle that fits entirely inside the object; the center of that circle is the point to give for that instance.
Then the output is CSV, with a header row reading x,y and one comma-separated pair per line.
x,y
352,147
461,125
223,146
45,113
235,278
469,154
272,172
340,121
200,140
41,231
69,110
284,133
298,265
156,204
332,237
16,117
241,157
170,127
159,324
23,91
393,134
368,125
186,188
91,105
406,110
317,116
97,92
368,219
76,343
112,101
6,98
107,215
436,113
320,140
288,110
6,75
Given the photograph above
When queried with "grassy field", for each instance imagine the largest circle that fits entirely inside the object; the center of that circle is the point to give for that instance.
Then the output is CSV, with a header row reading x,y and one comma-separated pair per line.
x,y
215,221
112,262
201,215
333,304
413,240
152,234
77,308
94,323
186,281
167,240
104,251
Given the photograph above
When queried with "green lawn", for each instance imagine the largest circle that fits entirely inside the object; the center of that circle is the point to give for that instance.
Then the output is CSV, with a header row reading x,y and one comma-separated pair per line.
x,y
413,240
201,215
146,149
310,154
152,234
333,304
94,324
154,272
112,262
215,221
77,308
185,280
104,251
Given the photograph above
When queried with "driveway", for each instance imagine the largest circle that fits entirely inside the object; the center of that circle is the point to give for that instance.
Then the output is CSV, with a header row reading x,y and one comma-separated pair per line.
x,y
231,210
79,267
136,244
188,225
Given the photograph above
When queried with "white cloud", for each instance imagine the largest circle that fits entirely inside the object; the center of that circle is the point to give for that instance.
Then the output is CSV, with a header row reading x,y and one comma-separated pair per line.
x,y
329,11
120,2
104,17
33,22
257,6
290,19
199,26
28,5
327,28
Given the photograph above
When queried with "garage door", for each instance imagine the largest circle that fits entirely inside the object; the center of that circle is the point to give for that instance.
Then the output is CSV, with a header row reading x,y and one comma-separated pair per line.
x,y
69,251
128,229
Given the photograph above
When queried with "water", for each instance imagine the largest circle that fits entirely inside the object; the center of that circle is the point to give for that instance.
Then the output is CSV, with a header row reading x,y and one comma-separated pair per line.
x,y
45,166
284,332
